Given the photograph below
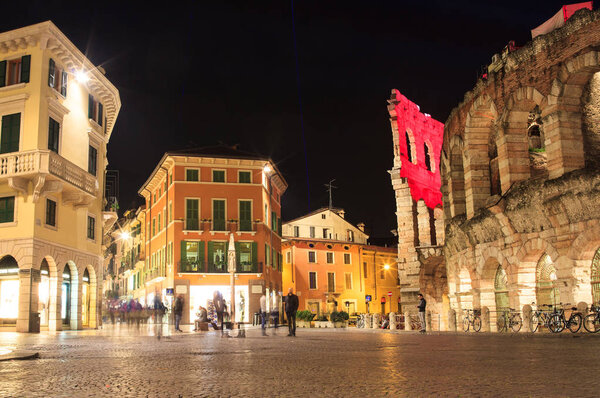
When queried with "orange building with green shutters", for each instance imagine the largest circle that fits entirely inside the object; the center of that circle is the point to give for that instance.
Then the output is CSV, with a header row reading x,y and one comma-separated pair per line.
x,y
195,199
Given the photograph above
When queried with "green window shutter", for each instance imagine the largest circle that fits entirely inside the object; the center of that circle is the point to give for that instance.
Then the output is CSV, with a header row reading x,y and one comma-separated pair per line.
x,y
201,256
273,221
100,110
237,256
90,106
279,226
245,215
63,83
266,254
53,134
9,135
51,73
255,256
219,215
7,208
183,257
25,68
2,73
211,261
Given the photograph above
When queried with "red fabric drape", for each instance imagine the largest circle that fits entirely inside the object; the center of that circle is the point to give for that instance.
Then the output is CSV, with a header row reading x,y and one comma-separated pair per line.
x,y
422,129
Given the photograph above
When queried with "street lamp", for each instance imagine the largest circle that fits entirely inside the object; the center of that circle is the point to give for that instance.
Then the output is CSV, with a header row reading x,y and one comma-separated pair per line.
x,y
81,76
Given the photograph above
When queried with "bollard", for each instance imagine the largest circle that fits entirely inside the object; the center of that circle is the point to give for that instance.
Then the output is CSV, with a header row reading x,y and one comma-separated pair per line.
x,y
526,319
485,319
376,318
407,325
451,320
392,321
583,308
428,321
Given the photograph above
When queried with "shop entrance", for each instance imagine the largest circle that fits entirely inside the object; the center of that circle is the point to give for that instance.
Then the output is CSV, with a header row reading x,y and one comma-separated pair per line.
x,y
85,299
9,291
65,308
44,293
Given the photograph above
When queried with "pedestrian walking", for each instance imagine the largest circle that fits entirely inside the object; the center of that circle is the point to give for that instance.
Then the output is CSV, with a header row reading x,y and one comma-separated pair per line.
x,y
159,311
263,313
421,307
178,311
291,307
219,304
275,302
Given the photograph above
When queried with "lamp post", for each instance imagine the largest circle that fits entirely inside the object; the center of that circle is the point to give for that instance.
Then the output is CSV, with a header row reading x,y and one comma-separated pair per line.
x,y
231,267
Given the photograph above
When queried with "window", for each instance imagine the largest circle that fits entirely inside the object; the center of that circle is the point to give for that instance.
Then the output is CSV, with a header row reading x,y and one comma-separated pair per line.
x,y
218,215
329,257
11,131
57,78
274,221
95,111
409,151
191,175
312,257
275,257
244,177
92,161
288,257
267,255
192,214
91,228
350,235
192,256
325,233
323,216
296,231
348,280
312,278
312,232
171,178
153,226
218,175
50,212
53,134
382,273
331,281
347,259
170,211
245,250
365,273
7,209
15,71
159,218
427,157
245,215
217,255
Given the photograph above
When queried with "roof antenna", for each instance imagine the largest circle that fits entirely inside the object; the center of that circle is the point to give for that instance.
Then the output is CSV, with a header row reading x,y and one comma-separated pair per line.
x,y
330,189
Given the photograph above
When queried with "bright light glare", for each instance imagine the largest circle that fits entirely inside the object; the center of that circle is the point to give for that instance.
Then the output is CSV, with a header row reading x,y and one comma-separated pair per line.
x,y
125,235
81,76
267,169
386,267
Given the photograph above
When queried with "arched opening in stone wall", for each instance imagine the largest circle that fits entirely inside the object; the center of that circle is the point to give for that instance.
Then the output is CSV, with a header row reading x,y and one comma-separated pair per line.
x,y
69,296
9,291
411,151
44,293
546,292
595,277
92,304
494,169
429,163
538,160
501,289
85,298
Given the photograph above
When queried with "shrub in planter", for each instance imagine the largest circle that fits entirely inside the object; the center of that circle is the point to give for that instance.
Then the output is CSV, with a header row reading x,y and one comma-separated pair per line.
x,y
322,322
304,318
339,319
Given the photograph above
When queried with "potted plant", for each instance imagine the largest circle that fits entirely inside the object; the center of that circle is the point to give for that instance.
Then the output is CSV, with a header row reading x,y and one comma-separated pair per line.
x,y
339,319
322,322
304,318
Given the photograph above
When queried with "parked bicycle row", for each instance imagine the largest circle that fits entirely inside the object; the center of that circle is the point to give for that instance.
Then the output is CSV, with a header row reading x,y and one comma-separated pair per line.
x,y
555,318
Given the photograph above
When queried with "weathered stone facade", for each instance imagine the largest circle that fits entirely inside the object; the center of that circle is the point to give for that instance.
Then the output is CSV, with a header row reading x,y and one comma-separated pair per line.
x,y
520,176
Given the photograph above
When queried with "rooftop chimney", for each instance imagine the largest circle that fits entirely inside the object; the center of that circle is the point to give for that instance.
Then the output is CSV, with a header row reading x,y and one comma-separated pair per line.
x,y
361,226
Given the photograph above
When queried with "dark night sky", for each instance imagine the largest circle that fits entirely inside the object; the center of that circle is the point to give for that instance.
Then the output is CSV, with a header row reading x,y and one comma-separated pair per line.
x,y
200,73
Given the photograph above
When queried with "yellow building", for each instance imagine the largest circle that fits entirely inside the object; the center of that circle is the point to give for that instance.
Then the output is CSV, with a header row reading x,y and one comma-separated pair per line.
x,y
57,112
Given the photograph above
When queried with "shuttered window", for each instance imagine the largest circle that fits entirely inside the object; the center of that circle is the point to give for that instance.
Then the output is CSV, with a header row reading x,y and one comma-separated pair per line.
x,y
91,228
53,135
95,110
7,209
218,215
218,175
92,160
191,175
50,212
244,177
192,214
11,131
245,215
312,278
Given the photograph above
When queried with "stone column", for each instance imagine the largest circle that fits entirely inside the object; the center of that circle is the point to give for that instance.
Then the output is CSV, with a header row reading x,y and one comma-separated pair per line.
x,y
407,325
485,319
392,318
423,220
28,297
513,150
451,320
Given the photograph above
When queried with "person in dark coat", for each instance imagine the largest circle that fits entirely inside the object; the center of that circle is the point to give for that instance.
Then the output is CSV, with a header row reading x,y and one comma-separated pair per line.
x,y
178,311
219,304
291,307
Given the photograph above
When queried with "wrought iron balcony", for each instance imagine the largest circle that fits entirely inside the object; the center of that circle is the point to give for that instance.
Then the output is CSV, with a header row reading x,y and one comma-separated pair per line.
x,y
190,266
49,172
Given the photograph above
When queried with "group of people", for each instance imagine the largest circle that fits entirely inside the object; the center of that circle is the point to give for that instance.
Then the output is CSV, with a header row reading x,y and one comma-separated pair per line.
x,y
291,307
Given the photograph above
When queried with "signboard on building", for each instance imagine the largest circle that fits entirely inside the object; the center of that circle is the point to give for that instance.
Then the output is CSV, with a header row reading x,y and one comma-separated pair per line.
x,y
367,298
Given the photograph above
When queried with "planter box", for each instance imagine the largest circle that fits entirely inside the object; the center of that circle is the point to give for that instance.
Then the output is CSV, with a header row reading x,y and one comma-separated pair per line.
x,y
303,324
323,324
343,324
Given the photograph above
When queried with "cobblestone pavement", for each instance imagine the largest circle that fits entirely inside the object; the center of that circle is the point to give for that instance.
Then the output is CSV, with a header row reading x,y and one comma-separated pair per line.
x,y
333,362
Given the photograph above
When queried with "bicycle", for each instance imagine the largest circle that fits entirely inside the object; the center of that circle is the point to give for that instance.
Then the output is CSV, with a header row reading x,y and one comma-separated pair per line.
x,y
509,318
558,322
539,317
415,322
591,322
473,318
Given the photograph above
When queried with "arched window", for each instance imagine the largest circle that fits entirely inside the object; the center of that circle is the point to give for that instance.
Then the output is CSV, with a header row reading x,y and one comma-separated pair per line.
x,y
428,162
595,276
501,289
65,309
85,298
546,288
9,290
535,138
44,293
409,151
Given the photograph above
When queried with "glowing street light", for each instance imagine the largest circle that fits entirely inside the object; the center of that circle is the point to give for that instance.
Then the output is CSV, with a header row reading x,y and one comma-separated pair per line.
x,y
125,235
386,267
267,169
81,76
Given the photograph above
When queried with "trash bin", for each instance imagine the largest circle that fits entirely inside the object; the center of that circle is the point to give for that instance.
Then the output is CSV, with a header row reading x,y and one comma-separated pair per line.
x,y
256,319
34,322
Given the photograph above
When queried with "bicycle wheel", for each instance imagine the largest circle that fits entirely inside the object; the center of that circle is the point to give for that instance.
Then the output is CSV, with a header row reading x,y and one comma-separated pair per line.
x,y
466,324
501,323
477,324
534,323
556,323
591,323
516,322
575,323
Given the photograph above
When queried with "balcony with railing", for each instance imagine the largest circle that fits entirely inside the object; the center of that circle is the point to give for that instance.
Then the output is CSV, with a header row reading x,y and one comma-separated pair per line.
x,y
197,267
49,172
